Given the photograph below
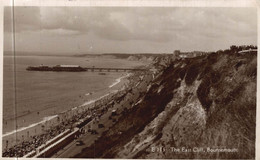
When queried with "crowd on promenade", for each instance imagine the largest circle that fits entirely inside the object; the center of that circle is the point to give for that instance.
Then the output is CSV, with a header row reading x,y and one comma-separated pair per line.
x,y
68,122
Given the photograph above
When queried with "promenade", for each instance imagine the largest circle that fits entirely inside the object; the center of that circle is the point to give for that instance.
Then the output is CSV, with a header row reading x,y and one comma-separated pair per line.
x,y
129,97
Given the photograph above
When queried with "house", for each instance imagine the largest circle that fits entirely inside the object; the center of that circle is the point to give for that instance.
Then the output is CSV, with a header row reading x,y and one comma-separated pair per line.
x,y
179,54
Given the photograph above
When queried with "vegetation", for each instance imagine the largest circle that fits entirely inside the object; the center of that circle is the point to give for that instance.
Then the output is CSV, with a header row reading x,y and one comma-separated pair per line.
x,y
206,101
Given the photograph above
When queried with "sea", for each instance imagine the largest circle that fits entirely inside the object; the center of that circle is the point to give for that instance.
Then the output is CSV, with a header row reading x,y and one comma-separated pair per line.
x,y
30,97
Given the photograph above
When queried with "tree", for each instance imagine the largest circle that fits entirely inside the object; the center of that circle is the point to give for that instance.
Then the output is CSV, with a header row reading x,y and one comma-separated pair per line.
x,y
234,49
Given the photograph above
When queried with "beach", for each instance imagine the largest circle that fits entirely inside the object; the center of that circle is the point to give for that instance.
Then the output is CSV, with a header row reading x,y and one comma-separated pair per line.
x,y
71,98
26,133
48,129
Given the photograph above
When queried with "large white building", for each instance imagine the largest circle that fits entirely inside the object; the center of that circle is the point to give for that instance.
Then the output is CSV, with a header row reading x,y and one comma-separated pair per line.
x,y
178,53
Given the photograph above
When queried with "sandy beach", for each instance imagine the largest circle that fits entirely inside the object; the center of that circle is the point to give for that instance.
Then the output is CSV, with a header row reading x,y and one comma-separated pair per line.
x,y
27,131
124,89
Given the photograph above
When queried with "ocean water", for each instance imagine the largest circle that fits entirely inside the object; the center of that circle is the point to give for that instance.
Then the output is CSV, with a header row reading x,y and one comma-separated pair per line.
x,y
45,94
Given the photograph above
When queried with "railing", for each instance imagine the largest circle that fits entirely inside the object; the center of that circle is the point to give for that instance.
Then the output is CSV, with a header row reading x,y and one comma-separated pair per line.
x,y
55,147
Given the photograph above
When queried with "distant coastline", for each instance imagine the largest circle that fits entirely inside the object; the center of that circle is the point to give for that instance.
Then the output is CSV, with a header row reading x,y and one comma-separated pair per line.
x,y
117,55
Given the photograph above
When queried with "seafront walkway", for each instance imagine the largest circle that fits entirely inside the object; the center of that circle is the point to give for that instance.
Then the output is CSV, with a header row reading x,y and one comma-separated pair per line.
x,y
20,144
131,95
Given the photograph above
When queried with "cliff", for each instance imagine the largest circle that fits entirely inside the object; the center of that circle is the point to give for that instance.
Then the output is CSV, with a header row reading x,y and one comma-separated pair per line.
x,y
203,107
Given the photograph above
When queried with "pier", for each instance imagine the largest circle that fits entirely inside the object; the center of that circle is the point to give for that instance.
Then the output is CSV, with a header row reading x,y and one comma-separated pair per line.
x,y
93,69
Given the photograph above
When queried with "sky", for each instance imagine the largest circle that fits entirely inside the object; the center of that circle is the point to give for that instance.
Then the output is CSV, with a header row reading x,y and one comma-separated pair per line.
x,y
84,30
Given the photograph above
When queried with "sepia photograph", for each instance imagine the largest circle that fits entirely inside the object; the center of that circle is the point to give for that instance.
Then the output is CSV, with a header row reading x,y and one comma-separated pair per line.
x,y
129,82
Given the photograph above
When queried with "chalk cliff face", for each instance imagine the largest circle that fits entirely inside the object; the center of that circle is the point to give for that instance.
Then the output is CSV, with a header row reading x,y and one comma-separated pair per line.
x,y
192,109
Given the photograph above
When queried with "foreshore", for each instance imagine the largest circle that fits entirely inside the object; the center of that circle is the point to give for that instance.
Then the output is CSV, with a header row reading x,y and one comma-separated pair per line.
x,y
53,123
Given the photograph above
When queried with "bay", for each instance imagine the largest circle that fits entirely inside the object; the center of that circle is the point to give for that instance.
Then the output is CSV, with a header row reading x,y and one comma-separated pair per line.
x,y
31,96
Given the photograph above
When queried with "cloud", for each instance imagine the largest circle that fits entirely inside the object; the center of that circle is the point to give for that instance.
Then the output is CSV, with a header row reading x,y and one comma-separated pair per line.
x,y
134,23
26,18
145,25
